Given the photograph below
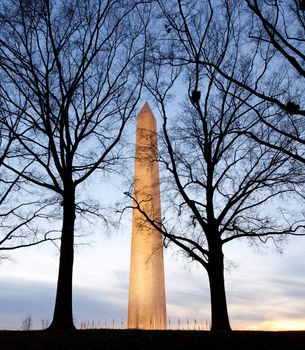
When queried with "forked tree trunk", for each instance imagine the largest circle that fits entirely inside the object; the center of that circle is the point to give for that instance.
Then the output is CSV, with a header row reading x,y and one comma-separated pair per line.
x,y
63,314
219,311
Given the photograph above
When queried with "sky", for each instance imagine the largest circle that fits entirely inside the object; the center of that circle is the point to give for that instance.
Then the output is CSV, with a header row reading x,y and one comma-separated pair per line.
x,y
265,289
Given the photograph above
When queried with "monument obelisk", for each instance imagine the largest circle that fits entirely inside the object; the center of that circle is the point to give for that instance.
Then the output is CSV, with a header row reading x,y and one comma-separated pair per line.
x,y
146,304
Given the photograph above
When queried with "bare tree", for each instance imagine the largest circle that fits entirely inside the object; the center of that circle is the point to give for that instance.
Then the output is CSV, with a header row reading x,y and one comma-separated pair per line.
x,y
280,27
219,184
19,214
273,34
66,68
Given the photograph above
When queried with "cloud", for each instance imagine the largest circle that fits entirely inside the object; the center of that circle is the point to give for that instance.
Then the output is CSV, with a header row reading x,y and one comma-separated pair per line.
x,y
19,298
266,290
266,299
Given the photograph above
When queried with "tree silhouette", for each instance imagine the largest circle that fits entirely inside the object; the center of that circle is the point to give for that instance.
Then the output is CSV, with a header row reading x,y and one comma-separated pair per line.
x,y
19,216
274,32
219,184
280,27
66,67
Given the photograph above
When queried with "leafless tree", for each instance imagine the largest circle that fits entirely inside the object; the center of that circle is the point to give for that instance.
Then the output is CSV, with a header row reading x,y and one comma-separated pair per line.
x,y
280,27
19,216
73,70
219,185
274,37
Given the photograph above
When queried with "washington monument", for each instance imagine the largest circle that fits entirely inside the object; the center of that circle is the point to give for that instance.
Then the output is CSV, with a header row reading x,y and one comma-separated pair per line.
x,y
146,305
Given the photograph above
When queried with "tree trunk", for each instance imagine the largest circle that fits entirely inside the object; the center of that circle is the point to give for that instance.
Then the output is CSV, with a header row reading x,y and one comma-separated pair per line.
x,y
219,311
63,314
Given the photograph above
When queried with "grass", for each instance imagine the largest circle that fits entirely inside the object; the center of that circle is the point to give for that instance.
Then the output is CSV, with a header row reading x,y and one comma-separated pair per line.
x,y
105,339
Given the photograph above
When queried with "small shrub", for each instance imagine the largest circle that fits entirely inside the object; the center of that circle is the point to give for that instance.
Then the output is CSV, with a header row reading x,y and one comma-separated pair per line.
x,y
27,323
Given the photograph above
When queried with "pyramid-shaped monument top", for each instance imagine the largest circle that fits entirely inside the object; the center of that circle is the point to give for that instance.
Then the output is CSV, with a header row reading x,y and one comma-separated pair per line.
x,y
145,109
146,119
146,112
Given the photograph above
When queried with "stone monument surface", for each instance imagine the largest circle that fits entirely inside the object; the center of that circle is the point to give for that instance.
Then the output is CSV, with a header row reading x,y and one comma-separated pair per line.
x,y
146,304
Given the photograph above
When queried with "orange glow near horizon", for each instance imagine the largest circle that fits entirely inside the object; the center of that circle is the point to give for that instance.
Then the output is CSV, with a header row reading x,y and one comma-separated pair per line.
x,y
280,325
287,325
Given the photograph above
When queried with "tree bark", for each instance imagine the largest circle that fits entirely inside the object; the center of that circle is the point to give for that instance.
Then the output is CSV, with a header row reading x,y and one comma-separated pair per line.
x,y
219,310
63,314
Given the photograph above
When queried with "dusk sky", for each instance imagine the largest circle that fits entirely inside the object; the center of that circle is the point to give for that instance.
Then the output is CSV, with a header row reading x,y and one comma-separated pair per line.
x,y
229,91
265,289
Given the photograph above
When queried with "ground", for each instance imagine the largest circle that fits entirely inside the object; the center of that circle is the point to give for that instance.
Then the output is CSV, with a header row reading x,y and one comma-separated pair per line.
x,y
148,340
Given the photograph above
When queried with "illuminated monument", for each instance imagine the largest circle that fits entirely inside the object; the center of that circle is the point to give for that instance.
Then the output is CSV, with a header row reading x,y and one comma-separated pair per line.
x,y
146,305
